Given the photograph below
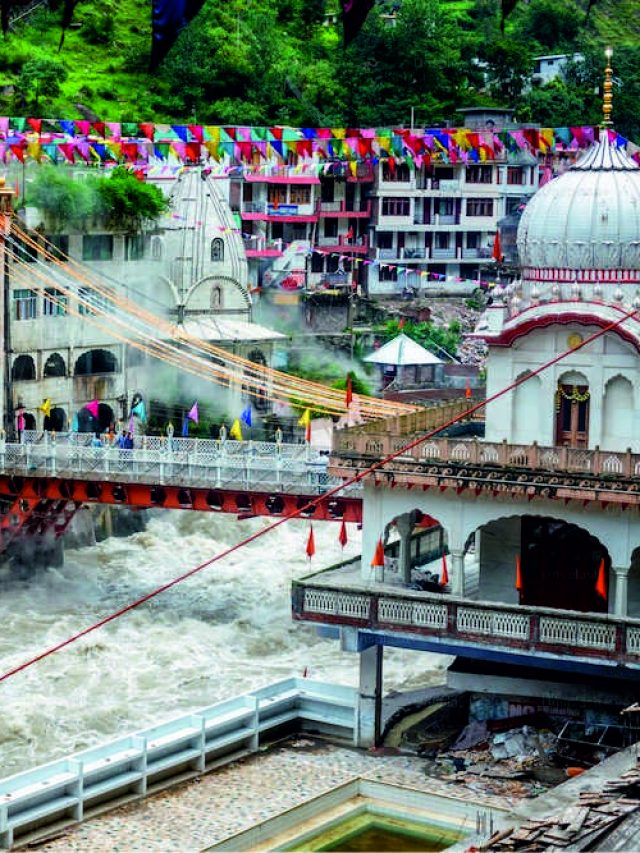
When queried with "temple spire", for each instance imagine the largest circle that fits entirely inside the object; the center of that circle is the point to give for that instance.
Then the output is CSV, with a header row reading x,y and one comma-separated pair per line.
x,y
607,97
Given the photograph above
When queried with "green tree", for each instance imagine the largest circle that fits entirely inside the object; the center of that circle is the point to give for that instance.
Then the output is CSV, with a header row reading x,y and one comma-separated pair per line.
x,y
128,203
40,78
62,200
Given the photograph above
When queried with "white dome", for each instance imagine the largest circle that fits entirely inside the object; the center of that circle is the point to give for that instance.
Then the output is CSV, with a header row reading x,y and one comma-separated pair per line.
x,y
588,218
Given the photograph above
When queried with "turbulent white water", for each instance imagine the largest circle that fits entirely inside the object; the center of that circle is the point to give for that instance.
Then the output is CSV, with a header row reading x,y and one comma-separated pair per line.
x,y
220,633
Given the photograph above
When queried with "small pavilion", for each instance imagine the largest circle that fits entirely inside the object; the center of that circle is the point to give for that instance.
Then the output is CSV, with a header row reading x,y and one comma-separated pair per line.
x,y
405,362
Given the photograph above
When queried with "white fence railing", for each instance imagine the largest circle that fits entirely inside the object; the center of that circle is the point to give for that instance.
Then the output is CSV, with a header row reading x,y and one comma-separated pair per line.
x,y
71,789
180,461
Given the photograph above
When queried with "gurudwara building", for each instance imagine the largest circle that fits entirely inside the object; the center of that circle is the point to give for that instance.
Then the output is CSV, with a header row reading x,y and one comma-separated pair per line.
x,y
538,520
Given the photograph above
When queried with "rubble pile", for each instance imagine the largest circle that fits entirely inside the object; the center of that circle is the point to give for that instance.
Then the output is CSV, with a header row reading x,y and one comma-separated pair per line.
x,y
516,763
581,826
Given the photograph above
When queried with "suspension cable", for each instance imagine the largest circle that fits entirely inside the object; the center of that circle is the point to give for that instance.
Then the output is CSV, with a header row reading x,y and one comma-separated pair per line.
x,y
315,501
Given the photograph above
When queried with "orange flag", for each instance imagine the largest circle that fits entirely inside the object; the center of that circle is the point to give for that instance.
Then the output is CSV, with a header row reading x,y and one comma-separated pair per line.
x,y
444,577
496,254
519,584
348,396
378,557
601,583
467,391
311,544
342,536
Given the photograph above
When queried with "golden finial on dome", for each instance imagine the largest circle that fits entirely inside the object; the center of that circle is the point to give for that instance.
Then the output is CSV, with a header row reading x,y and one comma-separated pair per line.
x,y
607,97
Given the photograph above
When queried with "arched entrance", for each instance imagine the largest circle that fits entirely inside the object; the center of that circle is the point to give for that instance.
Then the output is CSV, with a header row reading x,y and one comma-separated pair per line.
x,y
87,422
96,361
56,421
414,544
559,564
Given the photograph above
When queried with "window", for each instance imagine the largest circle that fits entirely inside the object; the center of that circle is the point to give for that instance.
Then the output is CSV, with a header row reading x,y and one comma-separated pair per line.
x,y
515,175
479,174
317,262
247,192
444,206
216,297
327,190
276,194
86,296
157,248
24,251
24,302
54,304
300,195
59,246
134,247
385,239
444,173
217,249
387,273
97,247
473,240
54,366
479,207
400,174
331,228
23,368
442,240
396,207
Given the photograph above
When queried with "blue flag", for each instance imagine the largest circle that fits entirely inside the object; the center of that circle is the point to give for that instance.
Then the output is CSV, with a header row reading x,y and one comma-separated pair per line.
x,y
185,427
245,417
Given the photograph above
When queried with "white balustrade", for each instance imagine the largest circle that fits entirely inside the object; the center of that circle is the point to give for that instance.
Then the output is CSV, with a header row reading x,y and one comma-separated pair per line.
x,y
633,641
493,623
336,603
586,635
424,614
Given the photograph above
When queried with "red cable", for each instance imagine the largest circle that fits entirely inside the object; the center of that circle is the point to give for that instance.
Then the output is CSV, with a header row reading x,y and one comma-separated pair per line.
x,y
355,479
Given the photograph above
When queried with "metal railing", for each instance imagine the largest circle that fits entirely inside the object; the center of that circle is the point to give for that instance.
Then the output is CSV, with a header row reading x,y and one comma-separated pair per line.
x,y
165,461
71,789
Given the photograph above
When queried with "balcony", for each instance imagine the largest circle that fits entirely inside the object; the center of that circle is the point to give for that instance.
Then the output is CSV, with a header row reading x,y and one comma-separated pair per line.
x,y
415,253
260,247
452,624
337,209
268,212
347,245
443,254
386,254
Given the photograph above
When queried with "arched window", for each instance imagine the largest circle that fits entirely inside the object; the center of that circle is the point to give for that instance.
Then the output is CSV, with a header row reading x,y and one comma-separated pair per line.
x,y
260,399
157,248
216,297
55,366
217,249
23,368
96,361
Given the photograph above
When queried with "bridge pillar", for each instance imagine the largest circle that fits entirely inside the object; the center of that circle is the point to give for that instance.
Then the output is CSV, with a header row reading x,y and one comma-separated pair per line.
x,y
370,696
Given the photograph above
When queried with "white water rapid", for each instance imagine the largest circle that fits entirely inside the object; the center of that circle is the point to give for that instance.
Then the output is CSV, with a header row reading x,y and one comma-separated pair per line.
x,y
224,631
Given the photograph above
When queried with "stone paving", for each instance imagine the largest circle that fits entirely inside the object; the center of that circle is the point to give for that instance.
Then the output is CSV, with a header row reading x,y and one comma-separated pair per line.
x,y
235,797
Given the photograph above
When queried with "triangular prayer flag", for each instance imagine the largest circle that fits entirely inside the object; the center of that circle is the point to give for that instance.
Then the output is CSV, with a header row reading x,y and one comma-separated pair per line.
x,y
236,430
46,408
519,584
311,544
378,556
601,583
192,414
305,421
444,577
245,417
348,396
92,407
342,536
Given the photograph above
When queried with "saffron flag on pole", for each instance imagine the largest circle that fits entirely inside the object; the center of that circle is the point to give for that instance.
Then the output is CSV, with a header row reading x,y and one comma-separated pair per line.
x,y
45,408
245,417
342,536
601,583
519,585
311,544
378,556
348,395
236,430
467,391
192,414
92,408
444,577
305,421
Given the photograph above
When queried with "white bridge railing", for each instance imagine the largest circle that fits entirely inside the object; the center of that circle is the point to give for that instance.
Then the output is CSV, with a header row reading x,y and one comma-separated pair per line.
x,y
71,789
178,461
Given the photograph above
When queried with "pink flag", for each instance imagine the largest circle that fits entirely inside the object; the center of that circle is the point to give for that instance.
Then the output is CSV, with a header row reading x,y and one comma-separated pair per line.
x,y
192,414
92,407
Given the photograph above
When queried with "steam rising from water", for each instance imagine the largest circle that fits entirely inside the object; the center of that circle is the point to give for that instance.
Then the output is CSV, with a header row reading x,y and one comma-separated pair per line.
x,y
220,633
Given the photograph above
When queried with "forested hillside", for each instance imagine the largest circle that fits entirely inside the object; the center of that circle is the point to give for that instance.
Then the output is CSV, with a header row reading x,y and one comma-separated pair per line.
x,y
282,62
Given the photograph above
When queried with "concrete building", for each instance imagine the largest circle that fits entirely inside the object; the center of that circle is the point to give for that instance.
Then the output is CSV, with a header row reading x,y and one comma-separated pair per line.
x,y
542,600
549,67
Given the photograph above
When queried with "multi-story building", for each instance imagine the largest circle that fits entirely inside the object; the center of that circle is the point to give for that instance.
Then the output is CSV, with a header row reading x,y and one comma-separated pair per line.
x,y
539,517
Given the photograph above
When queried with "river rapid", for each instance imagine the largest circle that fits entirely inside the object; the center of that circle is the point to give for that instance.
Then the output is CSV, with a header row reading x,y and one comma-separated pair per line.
x,y
223,631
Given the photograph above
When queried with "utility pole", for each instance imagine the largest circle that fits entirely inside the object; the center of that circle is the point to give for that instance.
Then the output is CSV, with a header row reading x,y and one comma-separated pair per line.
x,y
6,398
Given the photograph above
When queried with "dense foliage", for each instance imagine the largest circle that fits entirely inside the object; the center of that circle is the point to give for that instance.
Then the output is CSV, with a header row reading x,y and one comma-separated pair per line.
x,y
120,198
438,339
281,61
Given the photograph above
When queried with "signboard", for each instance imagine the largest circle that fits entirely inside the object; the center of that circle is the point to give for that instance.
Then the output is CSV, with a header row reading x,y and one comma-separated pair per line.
x,y
282,209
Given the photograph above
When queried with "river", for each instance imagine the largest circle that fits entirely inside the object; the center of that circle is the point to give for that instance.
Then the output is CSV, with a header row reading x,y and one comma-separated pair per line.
x,y
221,632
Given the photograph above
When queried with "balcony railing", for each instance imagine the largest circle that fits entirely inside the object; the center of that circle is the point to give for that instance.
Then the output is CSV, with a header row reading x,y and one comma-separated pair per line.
x,y
346,244
443,254
462,622
339,208
416,252
597,462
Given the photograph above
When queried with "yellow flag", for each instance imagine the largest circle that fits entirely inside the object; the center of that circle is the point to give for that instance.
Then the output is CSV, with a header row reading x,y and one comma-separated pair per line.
x,y
235,431
46,408
305,419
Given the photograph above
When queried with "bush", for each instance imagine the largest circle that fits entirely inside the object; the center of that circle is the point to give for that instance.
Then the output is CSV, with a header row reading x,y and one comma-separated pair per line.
x,y
127,202
62,200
